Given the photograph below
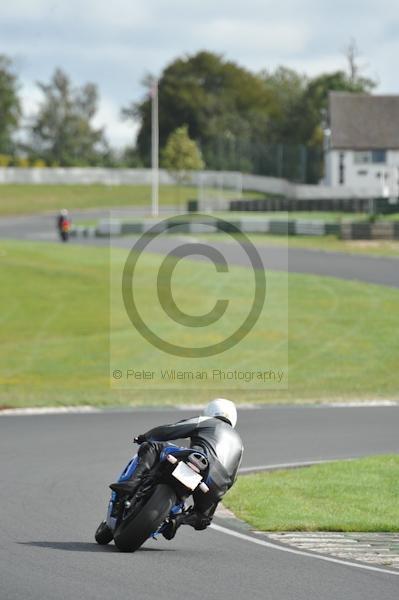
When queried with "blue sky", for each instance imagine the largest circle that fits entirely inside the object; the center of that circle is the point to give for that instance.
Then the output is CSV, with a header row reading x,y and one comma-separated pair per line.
x,y
114,43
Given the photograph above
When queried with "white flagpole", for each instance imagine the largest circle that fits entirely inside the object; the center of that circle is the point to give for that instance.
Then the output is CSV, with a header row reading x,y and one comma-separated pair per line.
x,y
154,149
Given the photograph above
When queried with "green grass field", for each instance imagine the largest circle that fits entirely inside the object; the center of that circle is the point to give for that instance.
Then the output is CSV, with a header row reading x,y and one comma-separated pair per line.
x,y
54,312
30,199
358,495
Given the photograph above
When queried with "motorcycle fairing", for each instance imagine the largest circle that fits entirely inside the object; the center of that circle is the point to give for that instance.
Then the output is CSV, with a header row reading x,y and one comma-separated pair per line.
x,y
124,476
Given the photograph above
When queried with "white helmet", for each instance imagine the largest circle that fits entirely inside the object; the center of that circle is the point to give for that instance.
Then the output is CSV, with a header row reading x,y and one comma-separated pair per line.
x,y
64,212
222,408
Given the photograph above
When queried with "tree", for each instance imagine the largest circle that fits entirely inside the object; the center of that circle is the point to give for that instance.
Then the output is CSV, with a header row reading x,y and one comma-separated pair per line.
x,y
181,155
286,88
355,77
62,131
215,98
130,158
10,106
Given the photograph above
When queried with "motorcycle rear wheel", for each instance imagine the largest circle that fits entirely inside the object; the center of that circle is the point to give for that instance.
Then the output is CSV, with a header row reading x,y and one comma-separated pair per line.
x,y
134,531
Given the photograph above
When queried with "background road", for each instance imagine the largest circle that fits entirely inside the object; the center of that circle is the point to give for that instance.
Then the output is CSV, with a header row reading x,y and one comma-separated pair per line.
x,y
53,493
377,270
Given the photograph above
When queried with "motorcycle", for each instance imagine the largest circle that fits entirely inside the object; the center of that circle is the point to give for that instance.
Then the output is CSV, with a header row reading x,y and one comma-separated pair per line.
x,y
163,494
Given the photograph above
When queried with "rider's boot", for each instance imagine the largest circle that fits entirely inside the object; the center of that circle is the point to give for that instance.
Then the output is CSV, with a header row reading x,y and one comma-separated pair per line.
x,y
130,487
172,526
196,519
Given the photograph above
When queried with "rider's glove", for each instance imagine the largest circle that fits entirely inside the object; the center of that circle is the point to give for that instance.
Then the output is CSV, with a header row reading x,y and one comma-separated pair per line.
x,y
140,439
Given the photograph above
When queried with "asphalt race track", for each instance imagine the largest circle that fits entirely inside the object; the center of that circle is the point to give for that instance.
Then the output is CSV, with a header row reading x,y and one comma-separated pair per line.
x,y
377,270
54,472
54,475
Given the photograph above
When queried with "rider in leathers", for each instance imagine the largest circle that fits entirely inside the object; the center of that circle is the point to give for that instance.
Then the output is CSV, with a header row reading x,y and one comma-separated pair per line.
x,y
214,435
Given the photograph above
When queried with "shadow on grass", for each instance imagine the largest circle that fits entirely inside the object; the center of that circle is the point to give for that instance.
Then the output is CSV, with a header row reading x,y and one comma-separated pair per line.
x,y
85,547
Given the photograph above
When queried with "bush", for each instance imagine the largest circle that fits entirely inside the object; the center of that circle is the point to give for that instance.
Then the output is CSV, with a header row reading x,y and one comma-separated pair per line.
x,y
39,163
22,163
181,155
5,160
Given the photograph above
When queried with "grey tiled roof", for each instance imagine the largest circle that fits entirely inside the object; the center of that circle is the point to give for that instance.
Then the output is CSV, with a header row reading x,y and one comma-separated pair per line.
x,y
363,122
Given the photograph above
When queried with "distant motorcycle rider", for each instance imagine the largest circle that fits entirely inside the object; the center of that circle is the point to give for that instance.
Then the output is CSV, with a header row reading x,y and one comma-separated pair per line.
x,y
64,225
214,435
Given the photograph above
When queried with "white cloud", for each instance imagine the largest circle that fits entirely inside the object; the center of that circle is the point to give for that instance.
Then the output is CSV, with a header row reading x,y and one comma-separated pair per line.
x,y
30,98
314,65
111,14
122,133
384,67
253,36
115,43
24,9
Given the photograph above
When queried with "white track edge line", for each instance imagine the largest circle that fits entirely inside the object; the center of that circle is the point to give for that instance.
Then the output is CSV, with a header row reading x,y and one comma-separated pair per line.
x,y
248,538
291,465
50,410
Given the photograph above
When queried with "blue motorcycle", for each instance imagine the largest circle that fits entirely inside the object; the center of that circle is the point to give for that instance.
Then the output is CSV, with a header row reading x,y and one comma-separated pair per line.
x,y
163,494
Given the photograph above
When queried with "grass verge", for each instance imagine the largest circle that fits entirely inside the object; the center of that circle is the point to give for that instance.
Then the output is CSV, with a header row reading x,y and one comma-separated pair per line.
x,y
54,311
358,495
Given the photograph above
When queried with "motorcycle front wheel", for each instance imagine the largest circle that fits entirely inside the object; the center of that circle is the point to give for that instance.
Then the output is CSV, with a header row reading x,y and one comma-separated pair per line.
x,y
103,534
134,531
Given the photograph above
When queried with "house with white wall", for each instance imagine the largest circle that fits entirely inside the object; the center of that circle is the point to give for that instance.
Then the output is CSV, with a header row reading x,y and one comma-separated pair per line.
x,y
361,143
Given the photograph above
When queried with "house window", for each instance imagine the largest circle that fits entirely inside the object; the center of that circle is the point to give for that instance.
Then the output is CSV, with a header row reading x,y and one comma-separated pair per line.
x,y
366,157
378,156
362,158
362,172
